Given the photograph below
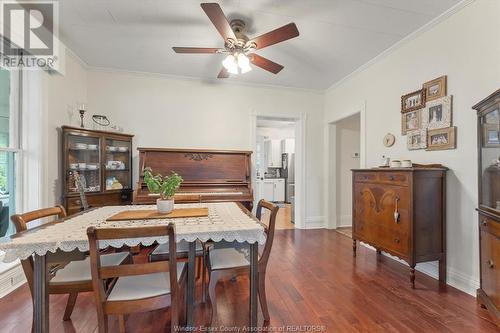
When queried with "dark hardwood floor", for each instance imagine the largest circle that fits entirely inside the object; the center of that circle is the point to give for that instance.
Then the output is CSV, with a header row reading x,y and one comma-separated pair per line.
x,y
313,280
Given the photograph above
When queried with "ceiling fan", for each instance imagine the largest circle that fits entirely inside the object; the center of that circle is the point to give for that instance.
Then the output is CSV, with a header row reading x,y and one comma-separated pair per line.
x,y
238,47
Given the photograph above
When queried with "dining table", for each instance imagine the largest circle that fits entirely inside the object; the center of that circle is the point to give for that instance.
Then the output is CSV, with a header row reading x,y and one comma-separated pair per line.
x,y
59,240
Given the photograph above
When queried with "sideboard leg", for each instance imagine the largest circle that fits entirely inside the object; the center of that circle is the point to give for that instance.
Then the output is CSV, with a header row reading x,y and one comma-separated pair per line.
x,y
442,270
353,247
412,276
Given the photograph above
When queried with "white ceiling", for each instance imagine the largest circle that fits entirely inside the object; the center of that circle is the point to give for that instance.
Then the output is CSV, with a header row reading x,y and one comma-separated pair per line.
x,y
336,36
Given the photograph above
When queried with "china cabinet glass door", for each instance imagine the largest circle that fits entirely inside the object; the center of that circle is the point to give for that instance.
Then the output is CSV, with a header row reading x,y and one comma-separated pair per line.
x,y
117,165
84,160
490,158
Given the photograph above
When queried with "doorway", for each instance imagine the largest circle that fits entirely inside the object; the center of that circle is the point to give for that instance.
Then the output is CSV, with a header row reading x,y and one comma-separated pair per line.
x,y
277,166
345,149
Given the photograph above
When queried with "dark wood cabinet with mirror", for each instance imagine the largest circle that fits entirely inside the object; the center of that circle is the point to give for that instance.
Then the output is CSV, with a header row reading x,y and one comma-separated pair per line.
x,y
103,162
488,126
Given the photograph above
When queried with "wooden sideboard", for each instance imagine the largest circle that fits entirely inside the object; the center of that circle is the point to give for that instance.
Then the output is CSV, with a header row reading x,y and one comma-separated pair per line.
x,y
488,125
402,212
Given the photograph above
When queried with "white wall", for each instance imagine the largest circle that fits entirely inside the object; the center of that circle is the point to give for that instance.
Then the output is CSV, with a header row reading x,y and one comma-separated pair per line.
x,y
166,112
64,92
465,47
347,140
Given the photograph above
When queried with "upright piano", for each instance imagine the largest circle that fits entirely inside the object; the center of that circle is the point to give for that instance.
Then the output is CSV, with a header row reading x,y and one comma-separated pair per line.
x,y
209,175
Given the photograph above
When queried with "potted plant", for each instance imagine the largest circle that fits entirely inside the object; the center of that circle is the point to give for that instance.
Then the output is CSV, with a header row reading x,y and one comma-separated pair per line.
x,y
166,187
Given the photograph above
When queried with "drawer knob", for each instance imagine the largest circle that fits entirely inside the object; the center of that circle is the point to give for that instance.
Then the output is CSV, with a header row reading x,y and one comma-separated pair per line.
x,y
391,177
78,202
396,240
484,223
490,263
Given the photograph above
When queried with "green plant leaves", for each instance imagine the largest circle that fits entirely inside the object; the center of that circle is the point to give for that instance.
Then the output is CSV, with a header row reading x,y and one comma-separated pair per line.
x,y
165,186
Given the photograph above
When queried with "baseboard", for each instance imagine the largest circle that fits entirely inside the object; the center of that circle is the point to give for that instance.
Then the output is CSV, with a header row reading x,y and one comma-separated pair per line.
x,y
315,222
11,279
344,221
454,278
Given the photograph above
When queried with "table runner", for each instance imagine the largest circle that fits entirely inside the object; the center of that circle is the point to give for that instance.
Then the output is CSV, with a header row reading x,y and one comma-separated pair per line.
x,y
225,221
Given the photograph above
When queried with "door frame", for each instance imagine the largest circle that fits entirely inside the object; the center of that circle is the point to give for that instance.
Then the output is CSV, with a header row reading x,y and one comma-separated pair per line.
x,y
300,153
330,162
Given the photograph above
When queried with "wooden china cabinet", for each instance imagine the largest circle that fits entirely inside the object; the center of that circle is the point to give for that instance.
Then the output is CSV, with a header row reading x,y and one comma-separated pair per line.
x,y
488,126
103,162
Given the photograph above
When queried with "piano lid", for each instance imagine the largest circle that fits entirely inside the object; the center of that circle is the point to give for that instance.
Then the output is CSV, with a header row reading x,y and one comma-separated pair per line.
x,y
198,165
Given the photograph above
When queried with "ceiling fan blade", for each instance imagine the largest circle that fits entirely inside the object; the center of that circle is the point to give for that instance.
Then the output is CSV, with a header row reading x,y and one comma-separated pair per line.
x,y
223,74
265,63
276,36
195,49
219,20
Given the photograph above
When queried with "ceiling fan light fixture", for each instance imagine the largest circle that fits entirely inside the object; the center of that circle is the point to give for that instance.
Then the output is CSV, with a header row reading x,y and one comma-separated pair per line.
x,y
245,69
230,64
243,60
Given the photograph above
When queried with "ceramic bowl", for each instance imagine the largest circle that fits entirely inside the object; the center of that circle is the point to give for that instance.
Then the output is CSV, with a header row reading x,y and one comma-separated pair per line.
x,y
395,164
406,164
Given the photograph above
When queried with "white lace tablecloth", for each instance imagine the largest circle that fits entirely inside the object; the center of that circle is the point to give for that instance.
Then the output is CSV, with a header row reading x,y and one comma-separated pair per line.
x,y
225,221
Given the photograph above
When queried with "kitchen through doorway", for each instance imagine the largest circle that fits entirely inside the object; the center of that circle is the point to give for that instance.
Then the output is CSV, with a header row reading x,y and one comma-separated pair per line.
x,y
275,165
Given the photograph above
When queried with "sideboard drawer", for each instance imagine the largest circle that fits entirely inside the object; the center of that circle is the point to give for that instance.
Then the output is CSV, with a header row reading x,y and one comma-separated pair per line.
x,y
365,177
395,178
395,241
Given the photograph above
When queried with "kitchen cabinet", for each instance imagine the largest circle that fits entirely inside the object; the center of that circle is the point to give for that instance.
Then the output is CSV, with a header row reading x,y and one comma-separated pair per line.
x,y
267,190
272,189
279,190
273,153
288,146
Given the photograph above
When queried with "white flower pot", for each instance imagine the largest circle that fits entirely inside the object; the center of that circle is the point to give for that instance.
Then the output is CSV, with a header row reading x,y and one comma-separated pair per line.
x,y
165,206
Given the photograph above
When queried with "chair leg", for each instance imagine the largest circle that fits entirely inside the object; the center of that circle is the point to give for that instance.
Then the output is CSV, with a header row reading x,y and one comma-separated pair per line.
x,y
70,306
121,323
214,278
262,297
102,320
204,279
198,267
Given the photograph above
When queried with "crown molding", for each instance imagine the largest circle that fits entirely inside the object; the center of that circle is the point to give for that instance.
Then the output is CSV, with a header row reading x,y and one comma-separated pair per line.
x,y
426,27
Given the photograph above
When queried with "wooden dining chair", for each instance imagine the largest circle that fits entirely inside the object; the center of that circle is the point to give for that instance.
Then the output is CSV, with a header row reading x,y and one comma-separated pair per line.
x,y
73,277
138,287
229,262
161,252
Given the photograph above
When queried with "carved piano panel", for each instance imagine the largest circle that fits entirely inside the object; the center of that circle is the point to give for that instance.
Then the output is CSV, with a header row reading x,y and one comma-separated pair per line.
x,y
215,175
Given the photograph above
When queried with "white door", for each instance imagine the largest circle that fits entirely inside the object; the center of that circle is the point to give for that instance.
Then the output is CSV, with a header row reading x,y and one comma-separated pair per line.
x,y
279,190
267,190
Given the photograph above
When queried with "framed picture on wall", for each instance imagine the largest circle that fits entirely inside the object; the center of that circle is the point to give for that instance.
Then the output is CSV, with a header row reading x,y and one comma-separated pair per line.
x,y
441,139
437,113
413,101
435,89
411,121
416,139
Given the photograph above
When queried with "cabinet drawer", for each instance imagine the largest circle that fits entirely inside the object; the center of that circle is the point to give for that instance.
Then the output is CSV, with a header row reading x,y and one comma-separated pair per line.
x,y
394,240
396,178
490,261
489,225
365,177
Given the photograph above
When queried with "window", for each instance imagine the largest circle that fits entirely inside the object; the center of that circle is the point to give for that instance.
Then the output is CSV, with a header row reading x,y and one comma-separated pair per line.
x,y
9,145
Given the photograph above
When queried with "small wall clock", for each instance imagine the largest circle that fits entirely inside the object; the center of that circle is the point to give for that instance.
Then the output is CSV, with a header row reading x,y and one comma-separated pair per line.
x,y
389,140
